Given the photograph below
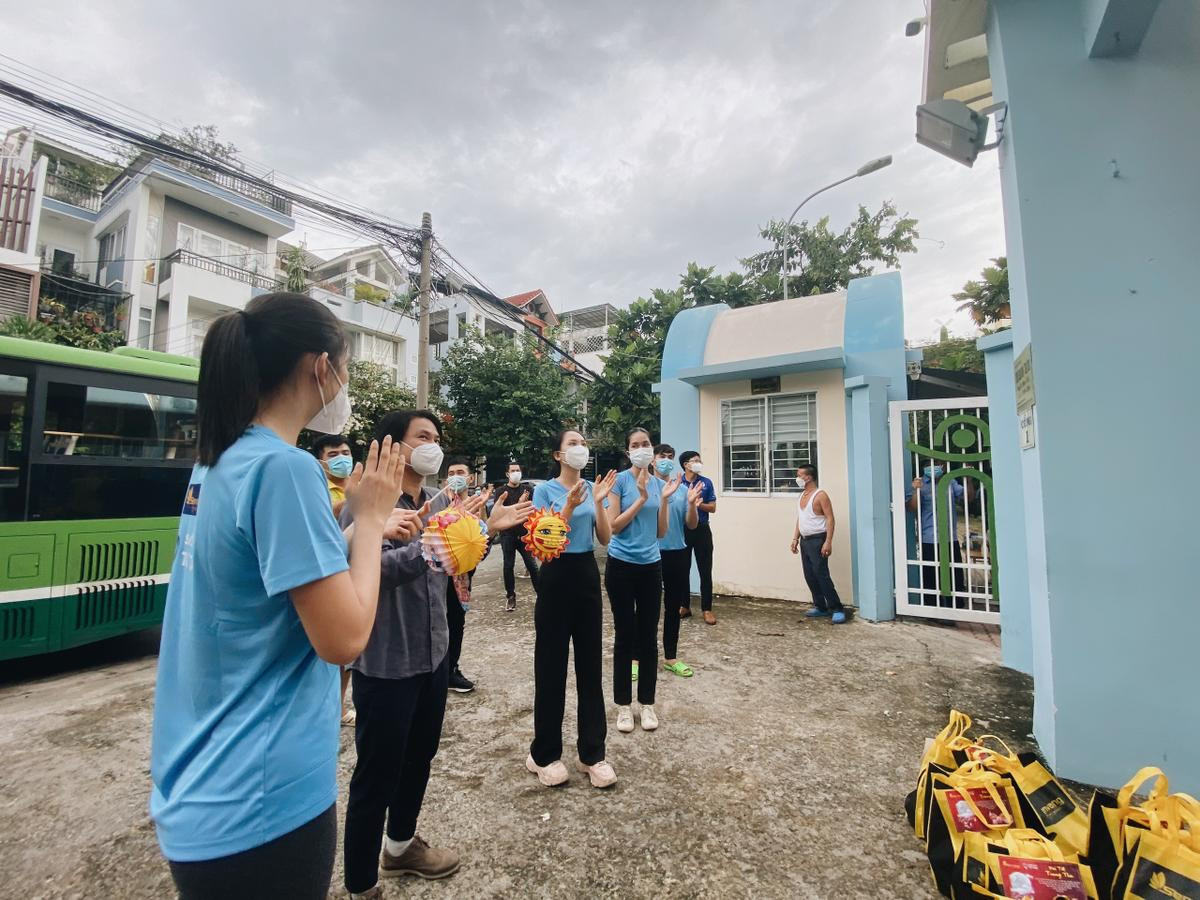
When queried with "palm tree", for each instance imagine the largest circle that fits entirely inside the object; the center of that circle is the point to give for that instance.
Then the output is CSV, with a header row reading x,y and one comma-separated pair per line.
x,y
987,301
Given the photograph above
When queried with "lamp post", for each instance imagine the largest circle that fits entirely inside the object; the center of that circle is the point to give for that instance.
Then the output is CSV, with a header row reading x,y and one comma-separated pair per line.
x,y
866,169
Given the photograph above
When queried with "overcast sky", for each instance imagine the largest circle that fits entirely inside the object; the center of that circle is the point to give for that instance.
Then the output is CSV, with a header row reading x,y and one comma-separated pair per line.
x,y
588,149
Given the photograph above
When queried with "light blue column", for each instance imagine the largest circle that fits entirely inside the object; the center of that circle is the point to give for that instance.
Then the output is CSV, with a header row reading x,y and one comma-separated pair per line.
x,y
1016,643
870,514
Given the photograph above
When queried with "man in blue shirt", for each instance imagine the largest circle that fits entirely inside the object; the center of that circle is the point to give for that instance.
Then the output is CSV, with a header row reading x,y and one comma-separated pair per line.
x,y
699,539
919,498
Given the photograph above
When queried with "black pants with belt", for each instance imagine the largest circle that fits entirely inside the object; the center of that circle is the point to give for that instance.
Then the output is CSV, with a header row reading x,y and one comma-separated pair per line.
x,y
298,864
511,544
456,621
568,611
816,573
396,733
676,576
700,543
635,596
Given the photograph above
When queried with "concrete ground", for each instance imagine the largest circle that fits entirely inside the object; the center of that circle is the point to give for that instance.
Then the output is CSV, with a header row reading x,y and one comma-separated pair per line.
x,y
779,770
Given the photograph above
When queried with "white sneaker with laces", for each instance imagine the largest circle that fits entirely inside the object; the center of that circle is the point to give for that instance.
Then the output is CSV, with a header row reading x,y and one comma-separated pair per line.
x,y
554,774
649,718
601,773
624,719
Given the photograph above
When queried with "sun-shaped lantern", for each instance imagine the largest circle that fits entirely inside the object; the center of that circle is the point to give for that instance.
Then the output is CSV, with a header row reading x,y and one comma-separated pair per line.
x,y
546,534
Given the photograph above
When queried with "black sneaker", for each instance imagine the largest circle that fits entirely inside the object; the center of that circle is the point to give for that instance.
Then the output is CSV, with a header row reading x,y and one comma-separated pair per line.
x,y
510,605
459,683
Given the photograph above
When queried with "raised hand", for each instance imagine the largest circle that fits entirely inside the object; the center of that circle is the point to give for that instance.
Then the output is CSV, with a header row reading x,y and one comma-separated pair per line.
x,y
477,504
403,525
377,482
642,480
575,497
604,486
506,517
695,495
672,486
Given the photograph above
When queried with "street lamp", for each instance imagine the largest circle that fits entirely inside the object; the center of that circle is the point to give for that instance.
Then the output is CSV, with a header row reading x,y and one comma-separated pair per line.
x,y
866,169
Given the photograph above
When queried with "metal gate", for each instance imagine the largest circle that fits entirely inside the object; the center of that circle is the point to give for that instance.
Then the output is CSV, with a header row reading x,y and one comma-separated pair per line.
x,y
944,524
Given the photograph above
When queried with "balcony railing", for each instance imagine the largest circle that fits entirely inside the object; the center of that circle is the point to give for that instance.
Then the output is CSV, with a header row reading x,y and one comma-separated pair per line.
x,y
76,193
217,267
248,189
78,295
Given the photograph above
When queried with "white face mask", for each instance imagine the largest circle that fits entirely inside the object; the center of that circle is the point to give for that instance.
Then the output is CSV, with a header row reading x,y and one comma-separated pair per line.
x,y
641,457
334,414
425,459
800,482
695,468
577,456
514,477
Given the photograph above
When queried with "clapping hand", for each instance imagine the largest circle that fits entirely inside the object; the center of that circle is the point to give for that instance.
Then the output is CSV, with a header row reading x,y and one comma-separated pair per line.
x,y
642,480
695,495
604,487
506,517
403,525
477,504
672,485
374,486
575,497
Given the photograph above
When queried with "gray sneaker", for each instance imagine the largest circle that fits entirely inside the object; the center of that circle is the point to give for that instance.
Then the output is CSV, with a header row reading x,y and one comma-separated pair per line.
x,y
421,860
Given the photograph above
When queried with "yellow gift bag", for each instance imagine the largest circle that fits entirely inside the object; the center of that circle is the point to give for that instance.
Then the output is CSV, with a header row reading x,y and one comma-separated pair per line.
x,y
1022,863
937,759
1163,859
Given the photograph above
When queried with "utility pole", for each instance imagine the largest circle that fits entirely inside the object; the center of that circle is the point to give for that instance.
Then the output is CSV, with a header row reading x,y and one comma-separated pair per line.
x,y
423,331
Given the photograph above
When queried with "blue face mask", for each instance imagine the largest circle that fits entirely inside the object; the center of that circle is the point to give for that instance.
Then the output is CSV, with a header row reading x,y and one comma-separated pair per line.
x,y
457,483
933,471
340,466
665,466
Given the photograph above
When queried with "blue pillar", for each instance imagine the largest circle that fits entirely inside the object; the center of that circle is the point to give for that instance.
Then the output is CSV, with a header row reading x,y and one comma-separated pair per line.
x,y
870,514
1016,642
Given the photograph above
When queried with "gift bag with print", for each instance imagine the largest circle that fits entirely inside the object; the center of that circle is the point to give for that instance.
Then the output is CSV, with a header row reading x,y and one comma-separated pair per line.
x,y
937,758
1022,863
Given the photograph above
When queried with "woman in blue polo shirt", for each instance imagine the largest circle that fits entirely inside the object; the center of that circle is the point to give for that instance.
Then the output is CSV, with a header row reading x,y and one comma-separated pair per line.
x,y
261,610
633,578
682,514
568,611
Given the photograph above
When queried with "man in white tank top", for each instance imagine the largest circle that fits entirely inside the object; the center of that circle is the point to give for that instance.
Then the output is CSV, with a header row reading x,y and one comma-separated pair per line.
x,y
813,540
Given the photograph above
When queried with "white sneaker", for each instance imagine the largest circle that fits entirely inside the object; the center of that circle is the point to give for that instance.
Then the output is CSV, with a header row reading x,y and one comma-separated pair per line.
x,y
554,774
601,773
649,719
624,719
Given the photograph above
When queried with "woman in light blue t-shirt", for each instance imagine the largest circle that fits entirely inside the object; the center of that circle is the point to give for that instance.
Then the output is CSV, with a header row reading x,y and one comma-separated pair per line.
x,y
266,600
638,512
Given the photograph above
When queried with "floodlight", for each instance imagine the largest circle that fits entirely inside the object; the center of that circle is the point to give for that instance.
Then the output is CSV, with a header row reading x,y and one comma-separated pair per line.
x,y
951,128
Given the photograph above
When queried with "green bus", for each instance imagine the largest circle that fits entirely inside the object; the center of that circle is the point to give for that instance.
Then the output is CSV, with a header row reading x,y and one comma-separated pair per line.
x,y
95,453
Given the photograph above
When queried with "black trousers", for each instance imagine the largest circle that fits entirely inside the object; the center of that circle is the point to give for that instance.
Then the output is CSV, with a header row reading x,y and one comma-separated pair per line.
x,y
635,596
456,621
700,543
816,573
298,864
511,544
568,611
676,576
396,734
931,574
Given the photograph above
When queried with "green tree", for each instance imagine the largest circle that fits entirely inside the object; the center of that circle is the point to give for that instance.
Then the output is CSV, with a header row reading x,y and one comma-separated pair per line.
x,y
297,271
953,353
374,393
29,329
503,398
821,260
987,300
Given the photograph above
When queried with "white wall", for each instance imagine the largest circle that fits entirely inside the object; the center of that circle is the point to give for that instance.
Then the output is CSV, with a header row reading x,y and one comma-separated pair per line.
x,y
751,535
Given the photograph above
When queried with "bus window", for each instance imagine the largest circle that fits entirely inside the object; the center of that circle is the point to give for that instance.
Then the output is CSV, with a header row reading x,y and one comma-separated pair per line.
x,y
13,389
109,423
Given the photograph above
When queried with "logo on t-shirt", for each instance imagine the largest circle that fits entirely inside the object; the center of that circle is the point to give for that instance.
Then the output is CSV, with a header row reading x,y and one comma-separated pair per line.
x,y
192,500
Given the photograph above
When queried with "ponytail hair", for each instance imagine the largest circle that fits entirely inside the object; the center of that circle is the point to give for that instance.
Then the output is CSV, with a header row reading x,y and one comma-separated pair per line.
x,y
248,355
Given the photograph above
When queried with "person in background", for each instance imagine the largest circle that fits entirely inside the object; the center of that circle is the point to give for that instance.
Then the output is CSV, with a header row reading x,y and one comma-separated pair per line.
x,y
676,560
459,480
813,540
569,611
638,512
922,488
262,608
333,452
399,680
700,539
510,541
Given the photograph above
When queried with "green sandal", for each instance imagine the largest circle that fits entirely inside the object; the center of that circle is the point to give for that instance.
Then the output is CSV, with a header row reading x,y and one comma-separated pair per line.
x,y
683,670
635,671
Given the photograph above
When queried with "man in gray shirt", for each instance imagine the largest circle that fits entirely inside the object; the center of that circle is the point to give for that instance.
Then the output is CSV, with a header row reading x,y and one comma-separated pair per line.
x,y
399,681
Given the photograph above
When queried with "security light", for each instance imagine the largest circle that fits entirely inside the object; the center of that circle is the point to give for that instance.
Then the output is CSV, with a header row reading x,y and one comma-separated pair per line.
x,y
951,128
914,26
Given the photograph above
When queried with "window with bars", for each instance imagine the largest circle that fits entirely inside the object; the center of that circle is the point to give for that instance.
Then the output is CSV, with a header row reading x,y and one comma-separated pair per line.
x,y
764,440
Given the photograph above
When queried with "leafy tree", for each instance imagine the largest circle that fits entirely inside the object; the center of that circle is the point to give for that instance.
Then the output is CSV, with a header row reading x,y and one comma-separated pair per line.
x,y
954,353
503,398
374,393
987,300
29,329
821,260
297,271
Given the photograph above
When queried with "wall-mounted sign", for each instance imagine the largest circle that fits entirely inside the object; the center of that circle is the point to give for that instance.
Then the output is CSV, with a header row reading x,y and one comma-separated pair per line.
x,y
1023,377
765,385
1025,428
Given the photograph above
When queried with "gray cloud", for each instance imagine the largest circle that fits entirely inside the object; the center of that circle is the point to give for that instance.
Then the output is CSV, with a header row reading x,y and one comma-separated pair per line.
x,y
588,149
